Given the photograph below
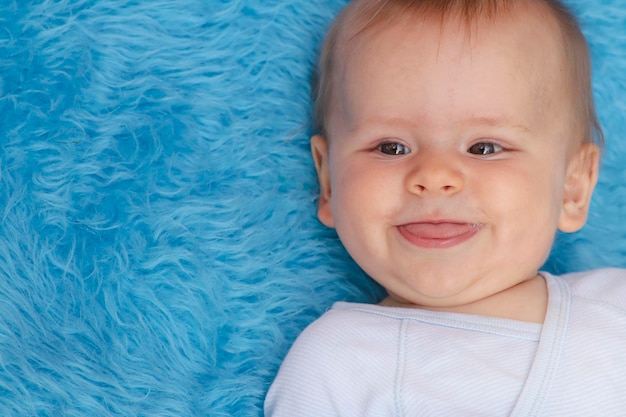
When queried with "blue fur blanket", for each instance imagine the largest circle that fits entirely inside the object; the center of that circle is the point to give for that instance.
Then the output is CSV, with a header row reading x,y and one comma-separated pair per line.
x,y
159,248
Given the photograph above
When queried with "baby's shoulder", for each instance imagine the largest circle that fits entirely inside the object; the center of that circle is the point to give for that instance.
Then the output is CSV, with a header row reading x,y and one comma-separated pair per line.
x,y
345,340
350,323
606,286
336,364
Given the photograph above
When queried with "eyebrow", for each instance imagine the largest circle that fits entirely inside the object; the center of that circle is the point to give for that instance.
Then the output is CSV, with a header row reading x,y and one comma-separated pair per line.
x,y
498,121
501,122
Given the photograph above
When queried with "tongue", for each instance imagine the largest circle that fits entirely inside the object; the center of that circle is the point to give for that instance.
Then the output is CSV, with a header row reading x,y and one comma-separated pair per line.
x,y
438,230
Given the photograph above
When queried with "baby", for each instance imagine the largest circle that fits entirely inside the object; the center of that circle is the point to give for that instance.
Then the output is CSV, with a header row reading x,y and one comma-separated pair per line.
x,y
456,138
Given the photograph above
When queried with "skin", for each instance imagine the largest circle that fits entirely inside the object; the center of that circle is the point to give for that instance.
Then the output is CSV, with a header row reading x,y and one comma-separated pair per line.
x,y
451,163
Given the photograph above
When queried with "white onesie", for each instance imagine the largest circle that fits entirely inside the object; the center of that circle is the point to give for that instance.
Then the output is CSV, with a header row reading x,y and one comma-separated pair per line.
x,y
367,360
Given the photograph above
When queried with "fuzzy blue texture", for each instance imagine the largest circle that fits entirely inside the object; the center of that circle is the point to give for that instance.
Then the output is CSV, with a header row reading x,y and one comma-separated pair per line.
x,y
159,248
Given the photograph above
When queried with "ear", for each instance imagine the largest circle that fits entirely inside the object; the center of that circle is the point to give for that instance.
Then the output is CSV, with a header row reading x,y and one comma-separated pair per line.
x,y
582,175
319,149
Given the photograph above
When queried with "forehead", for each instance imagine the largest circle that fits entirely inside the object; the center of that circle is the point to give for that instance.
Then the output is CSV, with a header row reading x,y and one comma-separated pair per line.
x,y
518,53
369,20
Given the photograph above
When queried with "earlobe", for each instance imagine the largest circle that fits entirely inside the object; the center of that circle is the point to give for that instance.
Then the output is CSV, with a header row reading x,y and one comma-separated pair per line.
x,y
582,175
319,150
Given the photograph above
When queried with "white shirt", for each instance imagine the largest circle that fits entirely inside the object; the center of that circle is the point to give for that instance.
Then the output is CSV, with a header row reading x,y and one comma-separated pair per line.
x,y
369,360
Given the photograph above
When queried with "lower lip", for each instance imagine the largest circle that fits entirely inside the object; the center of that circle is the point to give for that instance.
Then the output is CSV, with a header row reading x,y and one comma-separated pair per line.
x,y
438,235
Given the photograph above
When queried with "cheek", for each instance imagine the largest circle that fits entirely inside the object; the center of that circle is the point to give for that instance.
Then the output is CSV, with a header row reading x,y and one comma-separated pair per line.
x,y
351,191
525,196
363,196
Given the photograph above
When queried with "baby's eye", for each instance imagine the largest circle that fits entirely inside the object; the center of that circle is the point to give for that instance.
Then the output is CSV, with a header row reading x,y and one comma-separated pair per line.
x,y
485,148
393,148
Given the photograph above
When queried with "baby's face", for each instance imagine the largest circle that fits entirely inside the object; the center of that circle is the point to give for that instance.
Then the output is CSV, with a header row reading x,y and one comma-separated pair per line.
x,y
447,166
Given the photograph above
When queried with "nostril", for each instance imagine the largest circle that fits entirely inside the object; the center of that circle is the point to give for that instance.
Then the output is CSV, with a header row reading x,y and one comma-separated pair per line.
x,y
435,175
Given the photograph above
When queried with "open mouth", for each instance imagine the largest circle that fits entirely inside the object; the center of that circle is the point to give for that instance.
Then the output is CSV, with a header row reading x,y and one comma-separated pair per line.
x,y
438,235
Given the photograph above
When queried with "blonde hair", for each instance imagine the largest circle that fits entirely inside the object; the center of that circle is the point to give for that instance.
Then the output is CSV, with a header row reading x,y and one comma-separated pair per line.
x,y
362,15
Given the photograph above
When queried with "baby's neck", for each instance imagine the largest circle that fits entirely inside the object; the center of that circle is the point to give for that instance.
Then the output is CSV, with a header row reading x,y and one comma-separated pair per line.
x,y
527,301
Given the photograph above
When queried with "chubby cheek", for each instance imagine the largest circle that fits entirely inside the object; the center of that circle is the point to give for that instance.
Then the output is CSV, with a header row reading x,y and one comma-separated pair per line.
x,y
360,190
363,202
528,207
349,198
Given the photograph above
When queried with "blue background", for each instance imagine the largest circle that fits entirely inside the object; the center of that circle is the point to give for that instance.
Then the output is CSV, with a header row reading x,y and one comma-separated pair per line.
x,y
159,248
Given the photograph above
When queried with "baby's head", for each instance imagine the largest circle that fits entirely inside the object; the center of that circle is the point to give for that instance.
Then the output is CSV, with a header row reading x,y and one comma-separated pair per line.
x,y
456,137
361,17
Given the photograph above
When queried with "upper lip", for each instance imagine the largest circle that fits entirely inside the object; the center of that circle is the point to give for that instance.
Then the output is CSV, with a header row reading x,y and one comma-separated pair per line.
x,y
439,229
436,221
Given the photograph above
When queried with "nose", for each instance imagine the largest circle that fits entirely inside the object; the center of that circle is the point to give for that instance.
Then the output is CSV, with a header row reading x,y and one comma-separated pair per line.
x,y
435,174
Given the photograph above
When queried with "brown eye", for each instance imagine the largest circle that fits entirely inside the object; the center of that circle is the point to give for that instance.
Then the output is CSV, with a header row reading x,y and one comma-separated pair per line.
x,y
484,148
393,148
